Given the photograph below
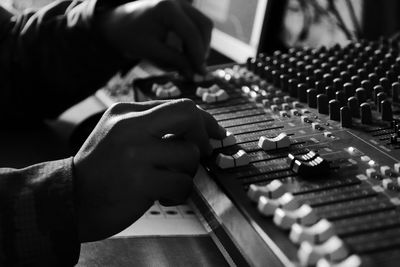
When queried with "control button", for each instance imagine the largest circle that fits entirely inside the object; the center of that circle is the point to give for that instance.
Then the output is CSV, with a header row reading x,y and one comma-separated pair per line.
x,y
309,165
387,183
220,95
297,104
348,90
395,91
333,250
241,158
365,158
312,98
286,106
379,98
334,110
295,112
267,206
168,90
200,91
361,95
229,140
385,170
302,92
315,234
366,114
274,189
371,172
351,261
328,134
386,109
330,92
397,167
345,117
354,107
304,215
280,141
316,126
322,104
274,108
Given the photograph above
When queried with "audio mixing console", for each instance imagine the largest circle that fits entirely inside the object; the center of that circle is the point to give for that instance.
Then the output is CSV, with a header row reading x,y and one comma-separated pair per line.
x,y
309,174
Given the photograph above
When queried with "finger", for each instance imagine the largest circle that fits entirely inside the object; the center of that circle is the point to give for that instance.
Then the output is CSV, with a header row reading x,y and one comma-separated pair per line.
x,y
177,21
170,57
172,187
183,119
124,107
176,155
203,23
213,129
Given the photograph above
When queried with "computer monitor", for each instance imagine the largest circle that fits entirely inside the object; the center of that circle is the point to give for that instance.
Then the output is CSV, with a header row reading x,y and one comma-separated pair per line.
x,y
238,26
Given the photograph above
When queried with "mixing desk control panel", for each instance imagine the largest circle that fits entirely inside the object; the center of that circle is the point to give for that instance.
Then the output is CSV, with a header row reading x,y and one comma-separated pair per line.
x,y
309,173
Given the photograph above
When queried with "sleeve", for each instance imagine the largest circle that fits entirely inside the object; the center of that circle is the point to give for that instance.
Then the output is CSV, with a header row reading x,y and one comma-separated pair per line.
x,y
37,218
52,58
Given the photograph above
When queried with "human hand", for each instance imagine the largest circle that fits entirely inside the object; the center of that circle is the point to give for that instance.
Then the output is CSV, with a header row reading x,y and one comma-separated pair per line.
x,y
140,29
139,153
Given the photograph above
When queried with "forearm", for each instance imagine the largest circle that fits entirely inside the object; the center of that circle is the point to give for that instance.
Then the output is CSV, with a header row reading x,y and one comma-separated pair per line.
x,y
51,59
37,216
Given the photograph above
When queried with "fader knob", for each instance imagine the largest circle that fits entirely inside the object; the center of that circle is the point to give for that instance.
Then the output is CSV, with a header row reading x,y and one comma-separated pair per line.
x,y
361,95
354,107
322,104
348,90
386,108
345,117
330,92
368,87
312,98
302,92
377,89
379,98
334,110
365,113
395,91
341,98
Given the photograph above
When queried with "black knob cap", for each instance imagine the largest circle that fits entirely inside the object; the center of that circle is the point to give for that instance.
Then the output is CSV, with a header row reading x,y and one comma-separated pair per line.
x,y
377,89
395,91
384,82
368,88
341,97
338,84
366,114
284,80
345,117
312,98
348,90
386,107
361,95
379,98
322,104
302,92
354,107
373,78
328,79
320,87
355,80
330,92
334,110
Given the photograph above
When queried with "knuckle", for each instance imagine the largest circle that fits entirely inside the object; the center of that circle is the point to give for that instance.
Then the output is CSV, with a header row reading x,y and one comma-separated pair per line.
x,y
186,104
165,5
